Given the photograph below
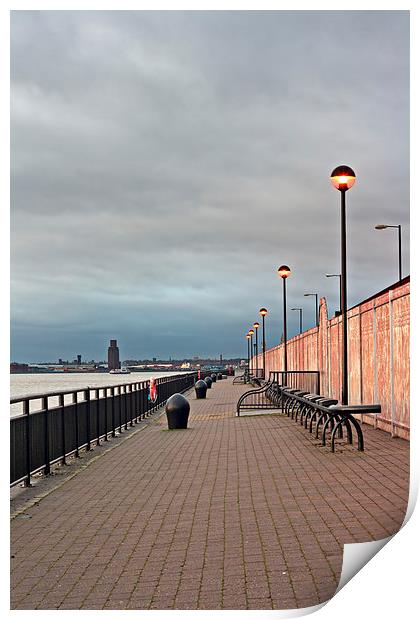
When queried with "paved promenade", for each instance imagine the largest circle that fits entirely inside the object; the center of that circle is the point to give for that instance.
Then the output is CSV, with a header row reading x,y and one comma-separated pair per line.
x,y
232,513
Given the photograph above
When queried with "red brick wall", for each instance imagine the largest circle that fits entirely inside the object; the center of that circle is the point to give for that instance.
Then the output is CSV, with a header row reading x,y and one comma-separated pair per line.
x,y
378,350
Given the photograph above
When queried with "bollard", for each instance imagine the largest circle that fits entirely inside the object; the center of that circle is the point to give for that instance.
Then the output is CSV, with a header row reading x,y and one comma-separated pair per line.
x,y
200,389
208,381
177,411
213,377
219,376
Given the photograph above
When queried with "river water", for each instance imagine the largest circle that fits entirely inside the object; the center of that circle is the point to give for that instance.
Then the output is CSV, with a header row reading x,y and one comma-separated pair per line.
x,y
40,383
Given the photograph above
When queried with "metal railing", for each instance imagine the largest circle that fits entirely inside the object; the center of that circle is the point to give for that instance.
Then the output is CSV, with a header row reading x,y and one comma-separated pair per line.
x,y
307,380
74,419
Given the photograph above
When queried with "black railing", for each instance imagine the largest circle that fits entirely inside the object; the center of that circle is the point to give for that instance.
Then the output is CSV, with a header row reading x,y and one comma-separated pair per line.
x,y
74,419
307,380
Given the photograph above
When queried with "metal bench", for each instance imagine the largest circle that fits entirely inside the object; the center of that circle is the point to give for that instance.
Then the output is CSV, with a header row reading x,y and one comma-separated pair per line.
x,y
310,409
326,412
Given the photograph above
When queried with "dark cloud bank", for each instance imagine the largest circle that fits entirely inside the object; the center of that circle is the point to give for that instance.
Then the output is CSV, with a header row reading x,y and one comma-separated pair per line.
x,y
165,163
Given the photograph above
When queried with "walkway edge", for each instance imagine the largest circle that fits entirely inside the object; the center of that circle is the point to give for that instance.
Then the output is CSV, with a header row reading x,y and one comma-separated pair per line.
x,y
38,498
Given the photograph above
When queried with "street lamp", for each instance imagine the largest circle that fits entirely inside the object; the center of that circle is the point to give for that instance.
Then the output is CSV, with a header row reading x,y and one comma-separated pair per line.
x,y
284,272
300,318
263,313
248,336
343,178
316,306
336,275
251,333
382,227
256,326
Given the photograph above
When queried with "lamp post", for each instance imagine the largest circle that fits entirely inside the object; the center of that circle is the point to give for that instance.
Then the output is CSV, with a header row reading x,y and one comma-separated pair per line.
x,y
248,336
300,318
336,275
256,326
316,306
263,313
251,333
382,227
284,272
343,178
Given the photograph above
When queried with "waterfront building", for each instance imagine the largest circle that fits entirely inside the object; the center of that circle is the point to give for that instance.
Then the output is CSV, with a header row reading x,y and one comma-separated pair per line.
x,y
113,355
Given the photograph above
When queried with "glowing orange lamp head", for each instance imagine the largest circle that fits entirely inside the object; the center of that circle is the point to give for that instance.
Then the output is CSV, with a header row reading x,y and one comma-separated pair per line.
x,y
248,336
283,271
256,325
343,177
251,332
263,311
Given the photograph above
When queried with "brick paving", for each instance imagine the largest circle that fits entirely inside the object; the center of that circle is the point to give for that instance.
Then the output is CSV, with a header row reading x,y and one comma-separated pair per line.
x,y
232,513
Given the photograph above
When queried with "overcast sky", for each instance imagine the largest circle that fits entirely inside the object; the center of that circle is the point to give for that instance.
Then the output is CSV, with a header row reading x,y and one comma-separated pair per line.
x,y
164,164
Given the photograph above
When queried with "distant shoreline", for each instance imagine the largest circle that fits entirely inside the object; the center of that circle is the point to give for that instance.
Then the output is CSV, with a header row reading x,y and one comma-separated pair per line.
x,y
96,372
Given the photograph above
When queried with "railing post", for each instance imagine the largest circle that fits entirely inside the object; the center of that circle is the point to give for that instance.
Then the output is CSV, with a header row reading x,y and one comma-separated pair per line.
x,y
47,435
28,443
125,407
119,407
134,401
87,393
143,399
76,422
63,428
130,400
113,410
98,443
106,413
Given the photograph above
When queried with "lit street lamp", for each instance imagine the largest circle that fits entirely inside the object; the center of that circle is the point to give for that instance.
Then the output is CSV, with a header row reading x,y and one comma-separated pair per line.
x,y
251,333
382,227
284,272
263,313
256,326
300,318
248,336
316,306
343,178
336,275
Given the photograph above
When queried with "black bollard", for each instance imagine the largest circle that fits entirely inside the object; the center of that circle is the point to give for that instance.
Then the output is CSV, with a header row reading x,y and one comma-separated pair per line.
x,y
219,376
208,381
200,389
177,411
213,377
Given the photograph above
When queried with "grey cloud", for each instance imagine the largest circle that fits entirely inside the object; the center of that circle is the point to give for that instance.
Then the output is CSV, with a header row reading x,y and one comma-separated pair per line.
x,y
165,163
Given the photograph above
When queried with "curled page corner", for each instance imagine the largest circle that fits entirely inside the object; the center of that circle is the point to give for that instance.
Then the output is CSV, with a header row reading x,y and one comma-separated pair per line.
x,y
356,555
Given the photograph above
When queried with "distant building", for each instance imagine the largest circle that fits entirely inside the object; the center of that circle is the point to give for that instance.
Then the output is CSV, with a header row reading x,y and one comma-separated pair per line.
x,y
15,367
79,359
113,355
